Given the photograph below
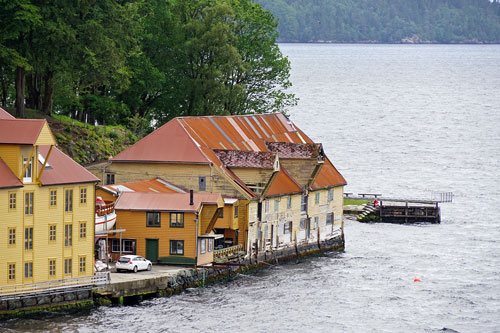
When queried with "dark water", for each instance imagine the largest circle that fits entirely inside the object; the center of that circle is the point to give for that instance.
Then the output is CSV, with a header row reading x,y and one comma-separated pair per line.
x,y
399,120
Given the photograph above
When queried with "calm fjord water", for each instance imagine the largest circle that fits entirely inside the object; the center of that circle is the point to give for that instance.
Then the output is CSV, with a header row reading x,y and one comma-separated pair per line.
x,y
400,120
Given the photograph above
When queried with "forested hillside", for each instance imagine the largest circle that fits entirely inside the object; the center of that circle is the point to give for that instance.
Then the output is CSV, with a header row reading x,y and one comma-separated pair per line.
x,y
140,63
387,21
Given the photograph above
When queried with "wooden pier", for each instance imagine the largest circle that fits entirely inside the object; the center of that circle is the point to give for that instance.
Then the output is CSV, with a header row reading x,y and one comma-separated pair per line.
x,y
395,210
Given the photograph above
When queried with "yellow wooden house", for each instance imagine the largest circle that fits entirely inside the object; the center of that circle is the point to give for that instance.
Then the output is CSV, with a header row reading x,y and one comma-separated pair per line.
x,y
47,207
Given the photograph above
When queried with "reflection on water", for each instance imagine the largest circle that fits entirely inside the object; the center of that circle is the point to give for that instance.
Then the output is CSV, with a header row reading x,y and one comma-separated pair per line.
x,y
400,120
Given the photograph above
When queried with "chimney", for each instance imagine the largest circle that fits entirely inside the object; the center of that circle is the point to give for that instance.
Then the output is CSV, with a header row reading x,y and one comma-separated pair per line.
x,y
191,201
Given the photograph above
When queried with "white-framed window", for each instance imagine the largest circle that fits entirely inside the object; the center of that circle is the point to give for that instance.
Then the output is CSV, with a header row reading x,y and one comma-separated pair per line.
x,y
236,211
203,246
276,205
128,245
28,174
316,199
287,227
210,244
303,203
267,206
289,202
53,198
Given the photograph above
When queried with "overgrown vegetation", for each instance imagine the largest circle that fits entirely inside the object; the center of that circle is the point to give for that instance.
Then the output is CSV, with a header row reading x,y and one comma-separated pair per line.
x,y
83,142
140,63
387,21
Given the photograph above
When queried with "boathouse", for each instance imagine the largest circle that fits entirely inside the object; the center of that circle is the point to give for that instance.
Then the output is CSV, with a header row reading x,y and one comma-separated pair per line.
x,y
242,157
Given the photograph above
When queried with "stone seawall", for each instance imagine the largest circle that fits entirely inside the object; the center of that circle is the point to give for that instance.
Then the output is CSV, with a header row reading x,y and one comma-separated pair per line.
x,y
131,292
27,304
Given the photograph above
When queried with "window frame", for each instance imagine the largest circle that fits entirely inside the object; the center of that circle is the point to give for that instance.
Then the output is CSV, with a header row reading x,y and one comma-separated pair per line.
x,y
28,270
266,206
11,271
287,228
330,195
28,239
203,246
68,201
28,173
68,234
12,236
52,198
148,214
210,244
68,262
110,178
177,224
29,200
289,202
83,230
317,198
12,200
329,217
52,233
82,264
276,205
236,211
52,267
303,203
83,195
177,250
202,183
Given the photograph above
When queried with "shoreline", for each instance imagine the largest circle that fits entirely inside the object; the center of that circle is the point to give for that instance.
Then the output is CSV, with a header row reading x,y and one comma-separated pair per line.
x,y
133,291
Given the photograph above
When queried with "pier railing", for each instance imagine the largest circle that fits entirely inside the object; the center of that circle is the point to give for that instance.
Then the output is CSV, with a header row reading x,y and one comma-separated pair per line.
x,y
228,251
55,286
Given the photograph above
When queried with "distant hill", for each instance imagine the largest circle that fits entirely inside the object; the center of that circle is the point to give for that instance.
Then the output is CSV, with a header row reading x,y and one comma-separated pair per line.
x,y
387,21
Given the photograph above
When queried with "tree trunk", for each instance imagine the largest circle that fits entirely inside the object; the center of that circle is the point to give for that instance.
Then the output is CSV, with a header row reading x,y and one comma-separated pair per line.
x,y
34,86
48,97
4,92
20,86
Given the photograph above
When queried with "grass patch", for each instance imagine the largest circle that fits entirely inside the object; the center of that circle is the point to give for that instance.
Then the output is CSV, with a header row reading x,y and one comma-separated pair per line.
x,y
355,201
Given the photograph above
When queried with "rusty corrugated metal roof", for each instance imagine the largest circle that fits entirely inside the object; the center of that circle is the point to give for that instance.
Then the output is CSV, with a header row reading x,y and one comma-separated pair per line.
x,y
283,184
245,159
7,177
20,131
201,139
328,176
174,202
63,169
169,143
5,115
157,185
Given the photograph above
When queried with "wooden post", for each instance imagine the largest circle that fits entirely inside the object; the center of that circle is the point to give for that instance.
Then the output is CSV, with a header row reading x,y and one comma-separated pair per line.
x,y
342,231
256,250
406,212
295,242
250,254
319,241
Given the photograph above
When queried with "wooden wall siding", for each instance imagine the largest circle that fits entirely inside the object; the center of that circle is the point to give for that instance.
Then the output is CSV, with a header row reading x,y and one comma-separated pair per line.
x,y
206,215
105,195
300,169
135,224
243,222
253,176
10,155
97,170
43,249
45,138
228,218
207,257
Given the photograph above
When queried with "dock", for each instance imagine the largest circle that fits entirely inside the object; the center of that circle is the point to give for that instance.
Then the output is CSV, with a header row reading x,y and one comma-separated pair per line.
x,y
396,210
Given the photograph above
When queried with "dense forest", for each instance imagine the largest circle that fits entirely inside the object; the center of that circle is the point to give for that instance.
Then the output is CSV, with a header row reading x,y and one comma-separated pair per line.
x,y
387,21
140,62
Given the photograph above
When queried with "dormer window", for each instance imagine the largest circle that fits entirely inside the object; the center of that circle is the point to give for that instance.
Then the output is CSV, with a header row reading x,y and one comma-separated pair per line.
x,y
28,174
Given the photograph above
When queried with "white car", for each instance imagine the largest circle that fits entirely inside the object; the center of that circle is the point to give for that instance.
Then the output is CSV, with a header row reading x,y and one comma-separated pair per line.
x,y
133,263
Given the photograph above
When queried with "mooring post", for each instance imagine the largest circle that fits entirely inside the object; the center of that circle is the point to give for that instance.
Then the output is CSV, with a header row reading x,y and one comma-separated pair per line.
x,y
295,242
319,241
250,254
342,231
256,251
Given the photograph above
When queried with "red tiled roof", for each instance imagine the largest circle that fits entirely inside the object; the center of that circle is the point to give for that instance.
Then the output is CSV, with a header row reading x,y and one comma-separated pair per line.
x,y
294,150
169,143
20,131
5,115
63,170
283,184
245,159
152,185
175,202
7,177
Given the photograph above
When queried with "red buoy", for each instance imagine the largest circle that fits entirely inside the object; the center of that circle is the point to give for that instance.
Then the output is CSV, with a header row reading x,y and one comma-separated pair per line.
x,y
417,280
